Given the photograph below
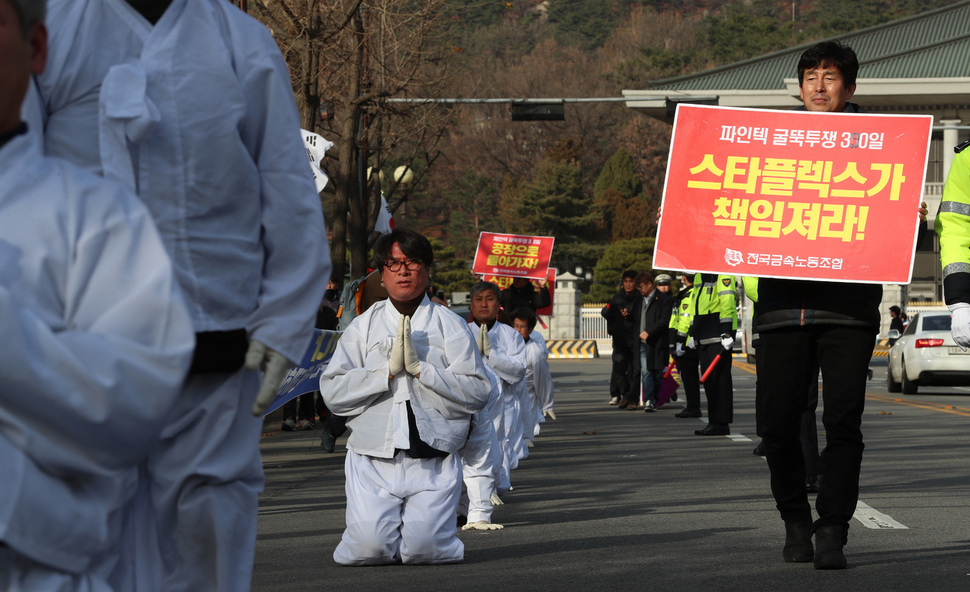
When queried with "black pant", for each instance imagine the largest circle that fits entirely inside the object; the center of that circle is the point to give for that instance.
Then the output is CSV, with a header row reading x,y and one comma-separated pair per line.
x,y
843,355
809,437
300,407
624,376
759,389
809,426
718,387
690,376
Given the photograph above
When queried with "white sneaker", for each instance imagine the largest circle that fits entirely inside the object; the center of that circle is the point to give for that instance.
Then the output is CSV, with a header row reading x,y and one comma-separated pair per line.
x,y
288,425
615,401
649,407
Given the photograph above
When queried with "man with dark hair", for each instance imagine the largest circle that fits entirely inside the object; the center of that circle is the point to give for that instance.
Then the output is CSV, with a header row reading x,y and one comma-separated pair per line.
x,y
407,375
802,323
619,324
504,352
651,319
538,378
832,66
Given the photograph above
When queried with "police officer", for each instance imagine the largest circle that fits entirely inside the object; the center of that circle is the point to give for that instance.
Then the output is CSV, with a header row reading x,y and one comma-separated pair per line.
x,y
714,304
953,227
687,360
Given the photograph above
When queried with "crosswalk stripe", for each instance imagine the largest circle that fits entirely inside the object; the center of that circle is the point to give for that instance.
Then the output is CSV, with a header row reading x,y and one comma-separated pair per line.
x,y
871,518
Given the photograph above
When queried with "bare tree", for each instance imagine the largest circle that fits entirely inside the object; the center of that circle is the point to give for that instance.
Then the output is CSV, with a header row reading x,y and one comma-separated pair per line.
x,y
345,57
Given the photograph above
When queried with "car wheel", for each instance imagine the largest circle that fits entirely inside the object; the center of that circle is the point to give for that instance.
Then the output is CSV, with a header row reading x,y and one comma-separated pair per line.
x,y
894,386
909,387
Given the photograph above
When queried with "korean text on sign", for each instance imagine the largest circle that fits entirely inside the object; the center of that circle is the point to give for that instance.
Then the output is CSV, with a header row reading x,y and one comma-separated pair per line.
x,y
513,255
793,194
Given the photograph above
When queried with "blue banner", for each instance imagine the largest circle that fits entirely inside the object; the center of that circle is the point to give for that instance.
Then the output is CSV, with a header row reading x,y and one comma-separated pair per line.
x,y
305,378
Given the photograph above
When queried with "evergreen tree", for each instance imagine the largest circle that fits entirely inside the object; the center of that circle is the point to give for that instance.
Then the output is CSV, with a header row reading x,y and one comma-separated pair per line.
x,y
554,203
586,24
450,273
747,29
636,254
619,173
618,194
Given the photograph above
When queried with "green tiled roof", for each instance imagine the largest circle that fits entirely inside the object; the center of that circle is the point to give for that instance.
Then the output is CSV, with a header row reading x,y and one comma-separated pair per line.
x,y
935,44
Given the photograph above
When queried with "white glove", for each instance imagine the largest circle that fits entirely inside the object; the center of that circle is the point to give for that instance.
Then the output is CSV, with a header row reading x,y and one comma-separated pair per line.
x,y
411,362
550,414
691,344
395,364
482,525
960,324
484,343
679,349
274,366
496,500
727,341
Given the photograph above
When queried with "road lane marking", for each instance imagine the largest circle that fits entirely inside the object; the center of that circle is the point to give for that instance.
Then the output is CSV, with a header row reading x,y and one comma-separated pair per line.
x,y
735,437
871,518
961,411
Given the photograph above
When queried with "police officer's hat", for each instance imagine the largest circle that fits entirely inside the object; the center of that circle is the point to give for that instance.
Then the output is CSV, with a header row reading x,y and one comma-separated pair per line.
x,y
663,279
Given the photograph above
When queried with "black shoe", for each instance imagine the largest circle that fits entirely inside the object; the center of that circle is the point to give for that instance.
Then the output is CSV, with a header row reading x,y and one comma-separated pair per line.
x,y
689,413
714,429
811,483
829,541
798,542
759,450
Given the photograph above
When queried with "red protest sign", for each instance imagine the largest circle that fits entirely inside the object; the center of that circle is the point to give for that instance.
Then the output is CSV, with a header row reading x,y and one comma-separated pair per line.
x,y
793,194
513,255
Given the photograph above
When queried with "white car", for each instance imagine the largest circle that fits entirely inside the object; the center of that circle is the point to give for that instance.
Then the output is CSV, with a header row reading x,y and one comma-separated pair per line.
x,y
925,354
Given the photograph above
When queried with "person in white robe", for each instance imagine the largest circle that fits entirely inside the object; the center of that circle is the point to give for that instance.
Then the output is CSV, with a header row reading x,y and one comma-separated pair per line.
x,y
507,358
189,104
96,342
481,459
538,378
407,375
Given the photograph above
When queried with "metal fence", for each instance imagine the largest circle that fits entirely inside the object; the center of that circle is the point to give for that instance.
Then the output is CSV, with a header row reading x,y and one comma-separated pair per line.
x,y
592,324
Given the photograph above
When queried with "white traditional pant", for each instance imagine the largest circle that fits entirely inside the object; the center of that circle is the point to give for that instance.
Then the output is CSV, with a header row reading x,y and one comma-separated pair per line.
x,y
192,525
401,509
513,427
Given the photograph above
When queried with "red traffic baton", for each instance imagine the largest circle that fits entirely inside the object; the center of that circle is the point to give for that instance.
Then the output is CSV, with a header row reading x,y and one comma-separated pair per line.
x,y
670,368
714,362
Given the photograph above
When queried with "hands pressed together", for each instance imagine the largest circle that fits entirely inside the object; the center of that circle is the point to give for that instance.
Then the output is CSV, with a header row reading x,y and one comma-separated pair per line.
x,y
404,358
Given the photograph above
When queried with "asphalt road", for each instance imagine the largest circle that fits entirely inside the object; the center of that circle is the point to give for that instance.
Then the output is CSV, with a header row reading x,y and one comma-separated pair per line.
x,y
625,500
